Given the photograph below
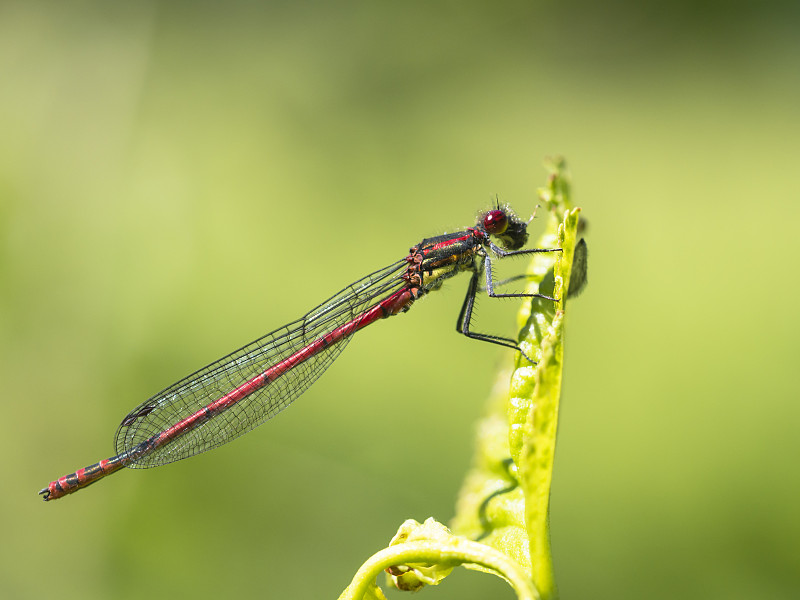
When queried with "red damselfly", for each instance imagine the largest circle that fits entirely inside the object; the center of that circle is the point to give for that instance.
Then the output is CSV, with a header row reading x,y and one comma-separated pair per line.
x,y
240,391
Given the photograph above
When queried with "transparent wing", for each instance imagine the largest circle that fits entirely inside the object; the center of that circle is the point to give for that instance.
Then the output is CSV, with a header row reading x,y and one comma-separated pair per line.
x,y
198,390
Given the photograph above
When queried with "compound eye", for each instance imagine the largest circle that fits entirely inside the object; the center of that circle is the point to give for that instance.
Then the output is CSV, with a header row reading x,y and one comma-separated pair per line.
x,y
495,222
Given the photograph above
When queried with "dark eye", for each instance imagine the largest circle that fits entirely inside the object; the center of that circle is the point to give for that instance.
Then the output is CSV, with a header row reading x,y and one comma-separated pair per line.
x,y
495,222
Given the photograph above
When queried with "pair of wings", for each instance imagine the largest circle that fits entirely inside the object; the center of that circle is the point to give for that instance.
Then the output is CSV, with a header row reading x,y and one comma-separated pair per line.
x,y
196,391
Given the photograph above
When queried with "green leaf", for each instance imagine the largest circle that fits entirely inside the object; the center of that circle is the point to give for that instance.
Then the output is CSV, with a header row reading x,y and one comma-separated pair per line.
x,y
522,418
502,513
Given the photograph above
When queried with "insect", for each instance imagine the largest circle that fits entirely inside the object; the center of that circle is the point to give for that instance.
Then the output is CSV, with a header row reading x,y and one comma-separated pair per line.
x,y
240,391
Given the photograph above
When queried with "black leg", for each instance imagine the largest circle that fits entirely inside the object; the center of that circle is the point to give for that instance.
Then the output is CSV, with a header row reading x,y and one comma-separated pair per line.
x,y
465,316
503,253
487,262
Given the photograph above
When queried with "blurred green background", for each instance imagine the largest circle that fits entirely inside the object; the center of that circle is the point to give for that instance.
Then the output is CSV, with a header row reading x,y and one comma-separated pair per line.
x,y
178,178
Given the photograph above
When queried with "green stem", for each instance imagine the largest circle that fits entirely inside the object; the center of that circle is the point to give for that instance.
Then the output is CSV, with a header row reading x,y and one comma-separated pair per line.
x,y
453,553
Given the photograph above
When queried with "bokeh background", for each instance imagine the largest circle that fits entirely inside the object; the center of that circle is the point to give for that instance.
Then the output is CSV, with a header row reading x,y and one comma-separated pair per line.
x,y
177,178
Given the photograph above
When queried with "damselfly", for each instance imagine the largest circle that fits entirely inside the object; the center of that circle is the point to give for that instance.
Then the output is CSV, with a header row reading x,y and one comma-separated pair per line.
x,y
233,395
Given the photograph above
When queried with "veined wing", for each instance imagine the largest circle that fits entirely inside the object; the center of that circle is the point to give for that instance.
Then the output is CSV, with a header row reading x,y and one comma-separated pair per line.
x,y
197,391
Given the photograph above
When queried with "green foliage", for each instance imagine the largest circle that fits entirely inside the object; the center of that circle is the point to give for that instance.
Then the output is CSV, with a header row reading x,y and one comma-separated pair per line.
x,y
501,524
